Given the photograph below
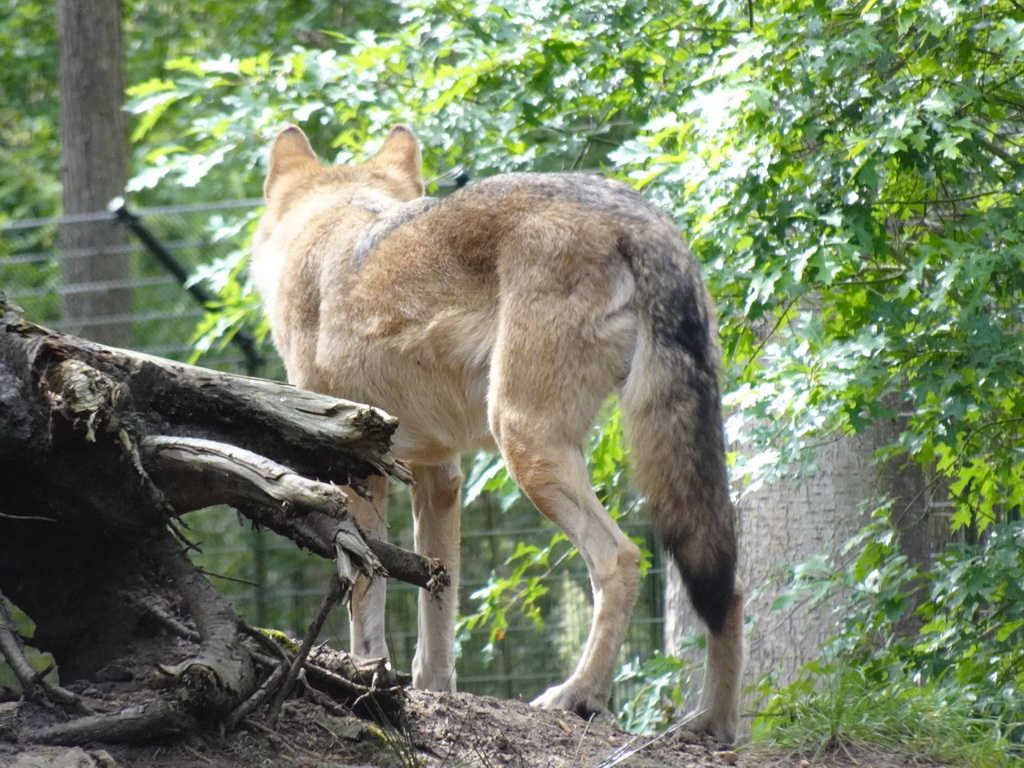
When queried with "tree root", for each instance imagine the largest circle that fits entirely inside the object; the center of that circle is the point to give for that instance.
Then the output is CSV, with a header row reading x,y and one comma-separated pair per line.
x,y
218,684
212,683
154,720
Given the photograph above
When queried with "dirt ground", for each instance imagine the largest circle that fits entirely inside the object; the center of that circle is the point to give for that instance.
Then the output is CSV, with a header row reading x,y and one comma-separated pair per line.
x,y
440,731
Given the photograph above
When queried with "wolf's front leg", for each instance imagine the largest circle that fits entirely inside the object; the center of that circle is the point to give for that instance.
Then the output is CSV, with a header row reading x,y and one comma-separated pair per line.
x,y
436,505
366,615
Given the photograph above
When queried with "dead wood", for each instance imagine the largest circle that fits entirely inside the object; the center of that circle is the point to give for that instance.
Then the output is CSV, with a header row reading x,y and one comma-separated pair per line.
x,y
88,418
100,450
146,722
315,531
336,591
211,683
224,474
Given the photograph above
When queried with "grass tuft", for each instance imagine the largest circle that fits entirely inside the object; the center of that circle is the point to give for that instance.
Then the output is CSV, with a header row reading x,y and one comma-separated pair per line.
x,y
841,711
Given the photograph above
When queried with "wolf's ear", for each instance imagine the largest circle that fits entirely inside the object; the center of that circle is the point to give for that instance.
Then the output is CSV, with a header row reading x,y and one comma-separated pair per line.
x,y
401,153
291,151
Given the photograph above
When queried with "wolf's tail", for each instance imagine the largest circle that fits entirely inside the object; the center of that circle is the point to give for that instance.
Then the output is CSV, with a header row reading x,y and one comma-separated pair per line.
x,y
673,414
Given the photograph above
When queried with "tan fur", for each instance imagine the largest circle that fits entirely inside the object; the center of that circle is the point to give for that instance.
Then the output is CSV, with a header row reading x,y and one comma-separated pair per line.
x,y
504,315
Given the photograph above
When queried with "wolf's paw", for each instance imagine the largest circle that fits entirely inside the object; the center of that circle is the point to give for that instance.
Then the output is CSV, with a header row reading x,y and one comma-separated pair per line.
x,y
566,697
429,679
720,727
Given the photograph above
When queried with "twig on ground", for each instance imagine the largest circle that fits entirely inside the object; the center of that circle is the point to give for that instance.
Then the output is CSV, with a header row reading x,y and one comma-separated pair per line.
x,y
295,749
336,590
270,685
579,745
631,747
321,699
197,755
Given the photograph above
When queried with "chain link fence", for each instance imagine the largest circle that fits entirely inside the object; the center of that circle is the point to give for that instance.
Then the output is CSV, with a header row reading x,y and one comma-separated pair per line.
x,y
164,313
269,580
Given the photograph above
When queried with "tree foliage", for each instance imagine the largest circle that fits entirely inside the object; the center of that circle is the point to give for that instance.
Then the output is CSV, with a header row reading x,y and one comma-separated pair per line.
x,y
849,173
852,175
29,138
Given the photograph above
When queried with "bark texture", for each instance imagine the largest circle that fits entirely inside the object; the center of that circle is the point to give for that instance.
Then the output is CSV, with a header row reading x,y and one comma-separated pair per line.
x,y
95,265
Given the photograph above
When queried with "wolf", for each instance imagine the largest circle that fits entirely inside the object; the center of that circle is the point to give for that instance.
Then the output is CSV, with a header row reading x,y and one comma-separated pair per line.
x,y
503,316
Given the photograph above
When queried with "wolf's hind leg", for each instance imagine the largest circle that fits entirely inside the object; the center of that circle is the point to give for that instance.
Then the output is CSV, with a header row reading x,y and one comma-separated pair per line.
x,y
366,617
563,346
717,712
555,479
436,506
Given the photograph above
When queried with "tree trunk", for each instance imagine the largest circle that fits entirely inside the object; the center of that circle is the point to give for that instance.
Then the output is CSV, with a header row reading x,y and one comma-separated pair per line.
x,y
95,266
790,522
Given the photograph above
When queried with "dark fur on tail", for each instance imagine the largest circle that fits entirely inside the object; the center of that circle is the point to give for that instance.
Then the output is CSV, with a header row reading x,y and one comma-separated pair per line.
x,y
672,405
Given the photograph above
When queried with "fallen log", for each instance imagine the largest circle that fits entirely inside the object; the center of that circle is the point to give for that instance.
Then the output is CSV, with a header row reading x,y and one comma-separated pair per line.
x,y
246,442
101,450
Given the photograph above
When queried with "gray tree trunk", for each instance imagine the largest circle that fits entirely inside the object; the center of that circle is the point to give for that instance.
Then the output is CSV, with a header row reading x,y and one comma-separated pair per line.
x,y
791,521
96,299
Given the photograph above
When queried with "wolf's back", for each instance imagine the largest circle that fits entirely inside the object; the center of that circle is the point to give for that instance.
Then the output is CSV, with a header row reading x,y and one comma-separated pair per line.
x,y
672,406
